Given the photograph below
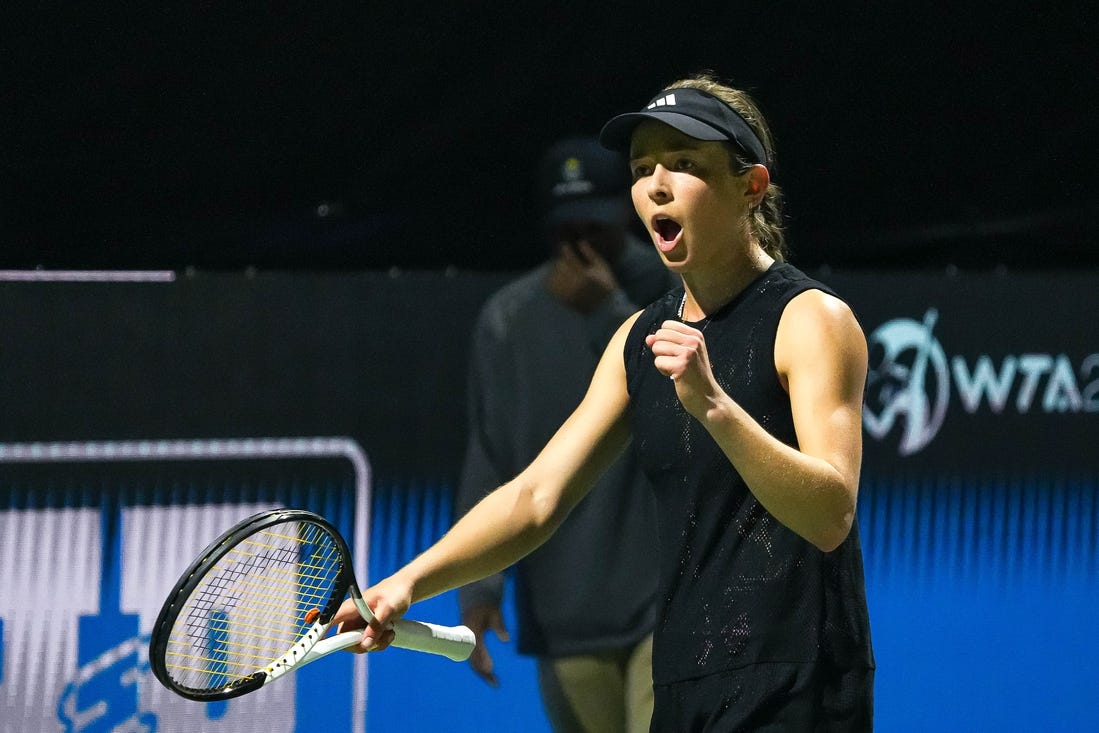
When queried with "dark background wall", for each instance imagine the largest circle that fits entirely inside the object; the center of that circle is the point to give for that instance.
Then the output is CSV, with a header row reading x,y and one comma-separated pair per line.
x,y
379,358
369,135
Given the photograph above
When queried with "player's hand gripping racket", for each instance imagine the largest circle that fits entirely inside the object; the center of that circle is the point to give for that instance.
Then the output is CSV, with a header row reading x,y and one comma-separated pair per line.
x,y
258,602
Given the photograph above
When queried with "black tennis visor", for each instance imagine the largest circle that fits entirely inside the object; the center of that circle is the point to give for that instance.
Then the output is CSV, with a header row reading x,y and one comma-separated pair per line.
x,y
694,113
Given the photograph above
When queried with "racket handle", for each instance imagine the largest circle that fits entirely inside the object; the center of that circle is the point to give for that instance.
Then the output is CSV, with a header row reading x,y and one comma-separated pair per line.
x,y
452,642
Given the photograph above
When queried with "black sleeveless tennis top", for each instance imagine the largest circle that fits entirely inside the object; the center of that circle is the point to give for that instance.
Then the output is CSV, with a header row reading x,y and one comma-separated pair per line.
x,y
737,588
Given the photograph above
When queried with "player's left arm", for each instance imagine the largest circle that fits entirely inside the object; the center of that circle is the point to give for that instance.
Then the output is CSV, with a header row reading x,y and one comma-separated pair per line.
x,y
821,360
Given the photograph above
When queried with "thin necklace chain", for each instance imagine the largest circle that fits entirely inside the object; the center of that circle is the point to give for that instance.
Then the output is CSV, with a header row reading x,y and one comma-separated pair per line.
x,y
683,304
679,313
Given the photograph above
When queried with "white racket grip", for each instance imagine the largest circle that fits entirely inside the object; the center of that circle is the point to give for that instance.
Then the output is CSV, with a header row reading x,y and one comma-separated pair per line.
x,y
452,642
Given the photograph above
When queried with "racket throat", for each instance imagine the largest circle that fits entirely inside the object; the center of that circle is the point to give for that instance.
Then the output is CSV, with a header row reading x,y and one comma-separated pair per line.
x,y
303,652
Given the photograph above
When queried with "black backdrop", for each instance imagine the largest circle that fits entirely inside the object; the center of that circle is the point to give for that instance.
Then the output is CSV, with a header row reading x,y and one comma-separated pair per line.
x,y
365,135
377,358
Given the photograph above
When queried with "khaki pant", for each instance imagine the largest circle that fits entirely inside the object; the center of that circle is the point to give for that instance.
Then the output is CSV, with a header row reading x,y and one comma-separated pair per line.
x,y
601,693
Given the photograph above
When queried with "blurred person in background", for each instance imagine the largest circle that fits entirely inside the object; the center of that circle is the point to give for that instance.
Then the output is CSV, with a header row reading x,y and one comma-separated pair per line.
x,y
536,344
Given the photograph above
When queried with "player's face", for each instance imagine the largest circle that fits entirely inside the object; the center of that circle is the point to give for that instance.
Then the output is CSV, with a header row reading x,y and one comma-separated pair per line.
x,y
686,194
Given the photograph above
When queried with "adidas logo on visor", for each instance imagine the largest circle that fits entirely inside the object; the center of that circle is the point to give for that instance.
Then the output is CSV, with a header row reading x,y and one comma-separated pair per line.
x,y
665,101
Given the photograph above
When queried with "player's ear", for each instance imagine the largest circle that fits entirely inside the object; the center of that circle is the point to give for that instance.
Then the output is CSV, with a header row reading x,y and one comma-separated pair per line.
x,y
758,179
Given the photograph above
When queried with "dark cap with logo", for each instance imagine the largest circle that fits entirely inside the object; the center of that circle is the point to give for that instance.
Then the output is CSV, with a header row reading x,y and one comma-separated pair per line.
x,y
581,181
693,112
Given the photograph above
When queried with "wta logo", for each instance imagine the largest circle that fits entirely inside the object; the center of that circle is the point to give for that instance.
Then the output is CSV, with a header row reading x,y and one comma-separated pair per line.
x,y
909,385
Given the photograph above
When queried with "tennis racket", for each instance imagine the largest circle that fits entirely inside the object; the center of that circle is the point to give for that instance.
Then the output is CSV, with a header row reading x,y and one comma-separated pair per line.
x,y
258,603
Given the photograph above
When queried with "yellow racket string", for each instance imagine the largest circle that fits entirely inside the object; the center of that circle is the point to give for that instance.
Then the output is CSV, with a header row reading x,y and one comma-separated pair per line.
x,y
251,607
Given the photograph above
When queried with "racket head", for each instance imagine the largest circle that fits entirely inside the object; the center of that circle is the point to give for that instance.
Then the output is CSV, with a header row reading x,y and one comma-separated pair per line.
x,y
250,605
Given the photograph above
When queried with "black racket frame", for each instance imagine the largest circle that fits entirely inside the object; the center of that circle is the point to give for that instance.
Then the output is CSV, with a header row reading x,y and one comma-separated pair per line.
x,y
206,560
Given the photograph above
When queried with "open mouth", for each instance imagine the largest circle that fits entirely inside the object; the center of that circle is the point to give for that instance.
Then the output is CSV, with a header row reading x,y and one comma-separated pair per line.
x,y
667,233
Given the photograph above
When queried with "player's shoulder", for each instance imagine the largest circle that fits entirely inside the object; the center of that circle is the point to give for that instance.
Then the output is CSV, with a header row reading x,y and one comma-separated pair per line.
x,y
815,302
818,325
807,298
817,311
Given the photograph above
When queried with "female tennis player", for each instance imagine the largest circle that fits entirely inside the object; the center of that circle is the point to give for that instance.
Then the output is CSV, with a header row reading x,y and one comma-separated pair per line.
x,y
742,394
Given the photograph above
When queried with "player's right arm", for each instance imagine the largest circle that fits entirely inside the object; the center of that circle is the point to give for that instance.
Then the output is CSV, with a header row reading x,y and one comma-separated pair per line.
x,y
520,515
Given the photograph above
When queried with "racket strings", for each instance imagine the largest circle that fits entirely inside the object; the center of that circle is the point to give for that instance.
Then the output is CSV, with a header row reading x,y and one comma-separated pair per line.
x,y
253,605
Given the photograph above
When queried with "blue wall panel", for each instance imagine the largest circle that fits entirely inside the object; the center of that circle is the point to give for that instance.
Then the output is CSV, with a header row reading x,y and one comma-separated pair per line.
x,y
414,692
981,590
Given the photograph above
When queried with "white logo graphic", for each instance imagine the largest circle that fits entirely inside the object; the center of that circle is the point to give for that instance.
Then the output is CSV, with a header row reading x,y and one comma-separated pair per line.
x,y
910,381
665,101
